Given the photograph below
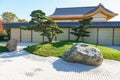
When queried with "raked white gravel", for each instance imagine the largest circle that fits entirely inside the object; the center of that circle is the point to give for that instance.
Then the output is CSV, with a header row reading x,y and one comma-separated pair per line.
x,y
20,65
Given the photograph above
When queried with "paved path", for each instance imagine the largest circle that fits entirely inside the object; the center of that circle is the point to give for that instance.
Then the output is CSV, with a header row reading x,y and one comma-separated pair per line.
x,y
20,65
114,47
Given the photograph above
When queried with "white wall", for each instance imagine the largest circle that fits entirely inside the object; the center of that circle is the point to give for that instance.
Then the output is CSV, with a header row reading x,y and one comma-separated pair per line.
x,y
37,37
93,36
117,36
105,36
63,36
99,17
15,33
26,35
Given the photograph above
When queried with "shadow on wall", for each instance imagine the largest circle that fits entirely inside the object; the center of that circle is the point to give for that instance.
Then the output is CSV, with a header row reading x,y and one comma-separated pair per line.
x,y
61,65
13,54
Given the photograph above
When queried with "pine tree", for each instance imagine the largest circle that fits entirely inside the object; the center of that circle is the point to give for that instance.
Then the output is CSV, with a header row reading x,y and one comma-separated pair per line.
x,y
46,26
81,31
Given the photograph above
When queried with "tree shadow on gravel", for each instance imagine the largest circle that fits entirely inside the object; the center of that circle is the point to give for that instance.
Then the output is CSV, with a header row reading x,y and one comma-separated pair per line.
x,y
13,54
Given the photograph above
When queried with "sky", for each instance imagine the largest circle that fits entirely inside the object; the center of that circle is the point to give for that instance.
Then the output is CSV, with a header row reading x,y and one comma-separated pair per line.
x,y
23,8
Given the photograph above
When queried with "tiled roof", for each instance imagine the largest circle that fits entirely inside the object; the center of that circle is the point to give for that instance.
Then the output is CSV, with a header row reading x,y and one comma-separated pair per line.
x,y
16,25
66,24
94,24
73,11
76,10
106,24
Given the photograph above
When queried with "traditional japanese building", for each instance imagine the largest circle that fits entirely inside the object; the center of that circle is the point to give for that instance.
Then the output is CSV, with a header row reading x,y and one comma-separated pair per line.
x,y
99,14
102,31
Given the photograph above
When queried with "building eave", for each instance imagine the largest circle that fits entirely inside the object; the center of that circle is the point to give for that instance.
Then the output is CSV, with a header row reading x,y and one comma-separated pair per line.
x,y
111,24
102,10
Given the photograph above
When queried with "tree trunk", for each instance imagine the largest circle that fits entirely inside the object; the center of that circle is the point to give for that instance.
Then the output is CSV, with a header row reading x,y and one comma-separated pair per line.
x,y
50,38
82,39
77,38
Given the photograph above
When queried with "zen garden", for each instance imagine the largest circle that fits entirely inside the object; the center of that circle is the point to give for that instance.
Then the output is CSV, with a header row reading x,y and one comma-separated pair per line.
x,y
77,43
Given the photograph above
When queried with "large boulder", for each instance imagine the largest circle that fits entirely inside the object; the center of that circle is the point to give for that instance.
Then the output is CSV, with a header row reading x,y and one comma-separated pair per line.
x,y
11,45
82,53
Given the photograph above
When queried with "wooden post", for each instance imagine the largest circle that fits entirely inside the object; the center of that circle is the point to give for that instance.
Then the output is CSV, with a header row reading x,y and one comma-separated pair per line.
x,y
55,38
20,34
43,38
31,35
69,33
113,35
97,42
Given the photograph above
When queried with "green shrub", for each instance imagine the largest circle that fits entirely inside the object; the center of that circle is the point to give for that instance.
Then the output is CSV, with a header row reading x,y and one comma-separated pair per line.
x,y
3,48
2,37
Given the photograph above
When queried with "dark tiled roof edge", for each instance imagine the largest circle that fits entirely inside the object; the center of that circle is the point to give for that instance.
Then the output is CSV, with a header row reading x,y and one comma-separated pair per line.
x,y
67,24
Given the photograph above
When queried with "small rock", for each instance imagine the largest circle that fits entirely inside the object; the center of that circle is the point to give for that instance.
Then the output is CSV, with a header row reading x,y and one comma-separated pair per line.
x,y
11,45
82,53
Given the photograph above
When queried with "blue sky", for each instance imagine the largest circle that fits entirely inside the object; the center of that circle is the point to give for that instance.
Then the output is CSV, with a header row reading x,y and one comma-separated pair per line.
x,y
23,8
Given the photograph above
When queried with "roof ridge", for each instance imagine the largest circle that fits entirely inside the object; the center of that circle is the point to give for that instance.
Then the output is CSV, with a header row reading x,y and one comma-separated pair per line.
x,y
77,7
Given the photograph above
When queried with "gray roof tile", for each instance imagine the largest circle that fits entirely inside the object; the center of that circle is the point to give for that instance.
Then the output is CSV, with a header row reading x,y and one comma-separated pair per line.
x,y
67,24
76,10
73,11
94,24
15,25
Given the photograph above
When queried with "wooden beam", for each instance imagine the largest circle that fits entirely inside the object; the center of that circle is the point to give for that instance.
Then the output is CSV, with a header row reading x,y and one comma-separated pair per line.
x,y
31,35
113,36
43,38
97,42
55,38
69,33
20,35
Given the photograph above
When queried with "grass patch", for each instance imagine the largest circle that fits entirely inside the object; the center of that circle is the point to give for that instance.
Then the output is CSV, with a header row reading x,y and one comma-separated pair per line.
x,y
57,49
3,48
109,53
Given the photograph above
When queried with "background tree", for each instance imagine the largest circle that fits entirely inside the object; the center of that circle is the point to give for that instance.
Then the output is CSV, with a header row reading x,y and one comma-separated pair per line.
x,y
45,25
9,17
81,31
22,20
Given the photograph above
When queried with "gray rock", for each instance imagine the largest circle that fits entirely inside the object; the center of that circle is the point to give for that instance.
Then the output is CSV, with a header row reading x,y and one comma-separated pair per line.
x,y
82,53
11,45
